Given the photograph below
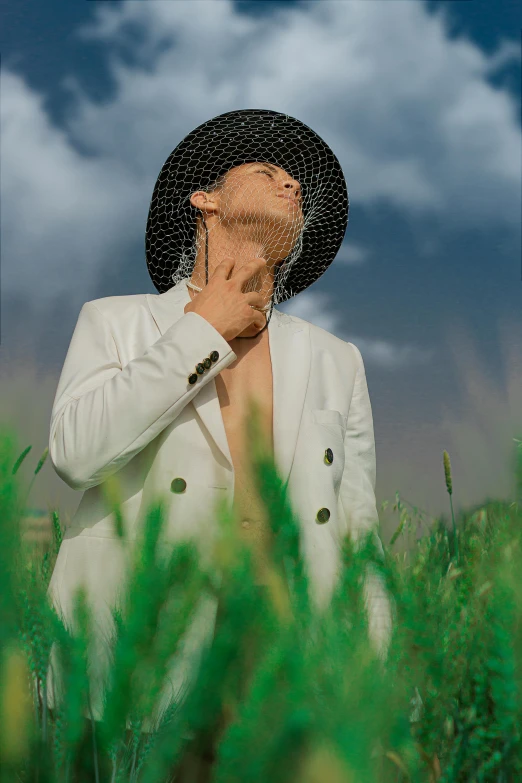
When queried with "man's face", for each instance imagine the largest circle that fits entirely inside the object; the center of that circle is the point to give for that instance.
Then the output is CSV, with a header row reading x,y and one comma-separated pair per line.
x,y
264,199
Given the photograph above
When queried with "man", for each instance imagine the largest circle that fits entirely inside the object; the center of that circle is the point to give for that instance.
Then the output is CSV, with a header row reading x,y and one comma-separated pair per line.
x,y
256,211
250,209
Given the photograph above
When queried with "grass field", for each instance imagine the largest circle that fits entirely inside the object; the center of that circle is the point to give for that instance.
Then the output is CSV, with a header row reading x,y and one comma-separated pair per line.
x,y
284,693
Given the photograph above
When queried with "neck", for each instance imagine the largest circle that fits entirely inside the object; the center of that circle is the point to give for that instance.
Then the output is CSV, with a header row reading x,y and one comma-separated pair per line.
x,y
242,250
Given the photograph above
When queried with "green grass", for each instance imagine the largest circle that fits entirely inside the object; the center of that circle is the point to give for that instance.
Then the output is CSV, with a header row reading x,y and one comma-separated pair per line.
x,y
288,694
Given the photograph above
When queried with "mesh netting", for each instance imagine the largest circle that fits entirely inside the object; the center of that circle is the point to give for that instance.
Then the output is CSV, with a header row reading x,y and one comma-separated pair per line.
x,y
211,201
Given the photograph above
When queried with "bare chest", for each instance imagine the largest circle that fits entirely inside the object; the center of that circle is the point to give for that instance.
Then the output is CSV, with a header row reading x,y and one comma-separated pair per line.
x,y
248,377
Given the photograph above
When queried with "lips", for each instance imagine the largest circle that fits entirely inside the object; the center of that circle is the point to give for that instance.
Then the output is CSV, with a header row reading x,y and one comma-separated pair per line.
x,y
288,198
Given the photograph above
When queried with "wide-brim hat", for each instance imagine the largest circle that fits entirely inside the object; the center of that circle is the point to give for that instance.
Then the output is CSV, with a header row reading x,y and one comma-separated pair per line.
x,y
228,140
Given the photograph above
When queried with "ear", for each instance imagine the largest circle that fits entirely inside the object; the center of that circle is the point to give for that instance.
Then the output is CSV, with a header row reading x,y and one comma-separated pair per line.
x,y
204,202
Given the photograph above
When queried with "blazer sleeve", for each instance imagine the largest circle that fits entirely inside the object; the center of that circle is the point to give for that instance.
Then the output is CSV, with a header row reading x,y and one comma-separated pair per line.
x,y
357,498
104,414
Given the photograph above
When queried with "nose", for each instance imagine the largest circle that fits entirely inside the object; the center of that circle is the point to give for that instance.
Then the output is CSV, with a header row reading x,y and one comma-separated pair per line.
x,y
292,187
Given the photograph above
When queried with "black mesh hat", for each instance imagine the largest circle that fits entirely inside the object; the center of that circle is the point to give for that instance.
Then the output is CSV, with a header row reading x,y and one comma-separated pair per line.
x,y
229,140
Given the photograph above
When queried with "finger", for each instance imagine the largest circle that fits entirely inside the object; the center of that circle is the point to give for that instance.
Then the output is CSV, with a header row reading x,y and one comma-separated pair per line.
x,y
254,298
245,272
259,318
223,269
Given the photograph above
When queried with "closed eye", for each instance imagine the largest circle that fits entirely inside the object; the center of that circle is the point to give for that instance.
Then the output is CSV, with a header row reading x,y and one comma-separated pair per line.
x,y
264,171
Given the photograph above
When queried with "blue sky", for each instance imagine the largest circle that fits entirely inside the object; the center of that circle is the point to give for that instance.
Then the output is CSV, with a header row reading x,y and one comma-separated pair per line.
x,y
420,101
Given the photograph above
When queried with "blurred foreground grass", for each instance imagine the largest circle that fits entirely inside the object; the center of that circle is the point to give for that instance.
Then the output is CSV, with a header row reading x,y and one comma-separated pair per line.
x,y
305,697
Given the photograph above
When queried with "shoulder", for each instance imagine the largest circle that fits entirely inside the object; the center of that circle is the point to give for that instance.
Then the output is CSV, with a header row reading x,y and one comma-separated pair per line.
x,y
326,339
118,306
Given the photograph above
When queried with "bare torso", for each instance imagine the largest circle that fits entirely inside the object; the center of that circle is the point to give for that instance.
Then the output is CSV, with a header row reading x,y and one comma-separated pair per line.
x,y
249,375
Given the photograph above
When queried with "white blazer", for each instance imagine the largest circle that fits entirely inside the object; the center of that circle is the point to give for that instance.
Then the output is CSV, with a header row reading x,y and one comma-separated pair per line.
x,y
124,405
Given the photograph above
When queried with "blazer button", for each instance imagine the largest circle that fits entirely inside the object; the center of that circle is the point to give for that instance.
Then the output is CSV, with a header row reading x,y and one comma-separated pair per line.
x,y
328,456
323,515
214,356
178,485
200,369
207,363
192,378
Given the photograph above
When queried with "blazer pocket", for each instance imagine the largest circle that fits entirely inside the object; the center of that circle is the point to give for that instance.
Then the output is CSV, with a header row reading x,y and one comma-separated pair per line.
x,y
328,430
329,416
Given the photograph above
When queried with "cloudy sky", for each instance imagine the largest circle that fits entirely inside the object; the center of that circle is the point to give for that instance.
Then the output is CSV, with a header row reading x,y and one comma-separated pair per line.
x,y
419,100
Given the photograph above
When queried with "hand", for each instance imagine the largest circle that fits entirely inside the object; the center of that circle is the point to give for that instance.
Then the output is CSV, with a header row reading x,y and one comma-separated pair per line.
x,y
224,305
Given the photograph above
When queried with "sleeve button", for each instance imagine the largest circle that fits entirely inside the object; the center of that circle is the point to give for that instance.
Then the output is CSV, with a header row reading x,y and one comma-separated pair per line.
x,y
207,363
214,356
200,369
192,378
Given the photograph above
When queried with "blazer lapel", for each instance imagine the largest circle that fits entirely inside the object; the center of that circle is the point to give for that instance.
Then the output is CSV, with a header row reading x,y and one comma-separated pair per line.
x,y
290,355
